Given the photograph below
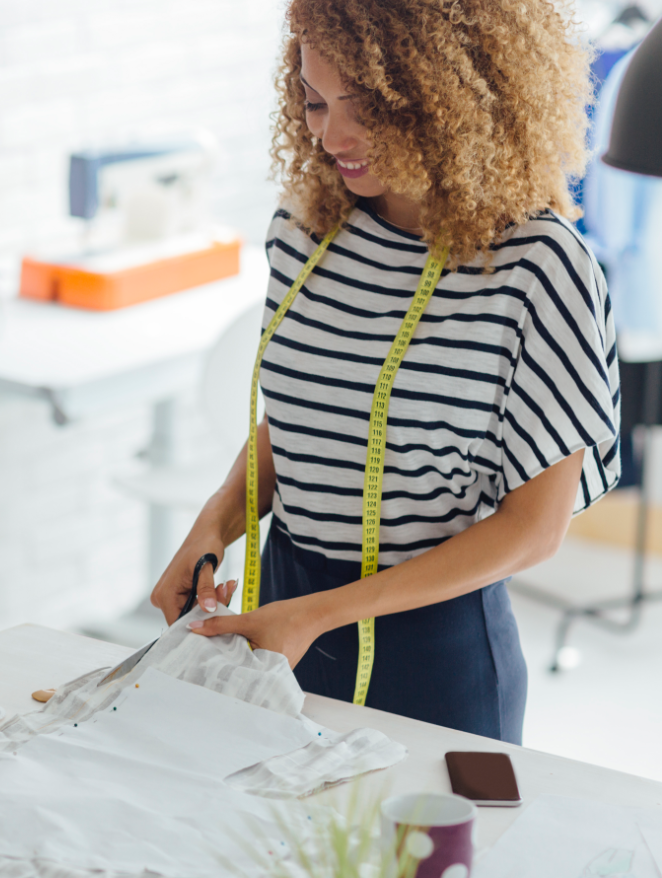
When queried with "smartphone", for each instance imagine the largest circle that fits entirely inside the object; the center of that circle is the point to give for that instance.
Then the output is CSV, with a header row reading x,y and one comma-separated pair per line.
x,y
485,778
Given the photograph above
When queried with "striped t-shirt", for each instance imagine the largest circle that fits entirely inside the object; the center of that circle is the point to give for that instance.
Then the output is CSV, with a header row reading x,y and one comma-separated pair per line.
x,y
507,374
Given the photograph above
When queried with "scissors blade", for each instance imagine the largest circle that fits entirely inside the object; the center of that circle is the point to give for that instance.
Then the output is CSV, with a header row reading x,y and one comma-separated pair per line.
x,y
128,664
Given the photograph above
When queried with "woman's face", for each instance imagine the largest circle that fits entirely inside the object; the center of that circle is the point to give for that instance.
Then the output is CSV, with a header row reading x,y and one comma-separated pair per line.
x,y
331,117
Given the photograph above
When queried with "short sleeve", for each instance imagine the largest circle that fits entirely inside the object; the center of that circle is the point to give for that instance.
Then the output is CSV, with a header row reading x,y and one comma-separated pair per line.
x,y
563,393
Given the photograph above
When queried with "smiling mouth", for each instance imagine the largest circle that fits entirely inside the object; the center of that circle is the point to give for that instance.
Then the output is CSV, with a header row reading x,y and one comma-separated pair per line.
x,y
353,169
353,166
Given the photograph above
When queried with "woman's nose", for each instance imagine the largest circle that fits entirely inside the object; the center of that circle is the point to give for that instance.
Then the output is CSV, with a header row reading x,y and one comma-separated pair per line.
x,y
339,135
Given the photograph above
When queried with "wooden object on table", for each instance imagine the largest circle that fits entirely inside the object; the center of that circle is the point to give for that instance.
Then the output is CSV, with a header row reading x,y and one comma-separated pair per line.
x,y
32,656
43,695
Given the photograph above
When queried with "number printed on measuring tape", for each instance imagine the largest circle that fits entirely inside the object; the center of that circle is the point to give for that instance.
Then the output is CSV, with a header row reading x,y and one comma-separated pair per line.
x,y
374,471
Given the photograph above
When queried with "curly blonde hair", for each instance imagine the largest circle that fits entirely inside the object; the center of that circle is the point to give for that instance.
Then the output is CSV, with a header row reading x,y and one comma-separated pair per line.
x,y
476,108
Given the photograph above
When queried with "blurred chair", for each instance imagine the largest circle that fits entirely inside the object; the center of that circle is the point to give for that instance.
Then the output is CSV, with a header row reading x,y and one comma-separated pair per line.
x,y
225,399
641,390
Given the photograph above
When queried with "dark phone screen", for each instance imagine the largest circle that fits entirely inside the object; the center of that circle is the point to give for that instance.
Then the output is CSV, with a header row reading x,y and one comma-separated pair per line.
x,y
482,776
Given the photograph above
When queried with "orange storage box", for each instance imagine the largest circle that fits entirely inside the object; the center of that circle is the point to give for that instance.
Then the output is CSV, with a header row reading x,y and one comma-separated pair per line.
x,y
80,287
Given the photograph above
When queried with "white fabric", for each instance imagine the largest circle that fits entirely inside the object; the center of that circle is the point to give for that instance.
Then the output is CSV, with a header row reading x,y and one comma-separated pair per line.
x,y
228,666
332,758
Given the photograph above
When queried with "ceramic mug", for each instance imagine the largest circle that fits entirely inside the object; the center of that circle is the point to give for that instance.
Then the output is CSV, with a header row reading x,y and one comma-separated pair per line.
x,y
428,835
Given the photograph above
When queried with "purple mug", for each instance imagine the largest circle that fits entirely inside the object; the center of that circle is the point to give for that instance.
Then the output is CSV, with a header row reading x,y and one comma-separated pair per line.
x,y
428,835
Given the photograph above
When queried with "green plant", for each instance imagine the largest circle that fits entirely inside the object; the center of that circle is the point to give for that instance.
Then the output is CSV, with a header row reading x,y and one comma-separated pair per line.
x,y
342,841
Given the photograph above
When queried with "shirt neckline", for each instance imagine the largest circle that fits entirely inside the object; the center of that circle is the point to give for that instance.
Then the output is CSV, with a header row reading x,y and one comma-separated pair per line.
x,y
364,205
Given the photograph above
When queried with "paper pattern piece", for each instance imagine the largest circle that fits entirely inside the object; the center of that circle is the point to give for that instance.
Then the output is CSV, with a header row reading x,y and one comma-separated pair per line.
x,y
140,784
198,824
559,837
174,725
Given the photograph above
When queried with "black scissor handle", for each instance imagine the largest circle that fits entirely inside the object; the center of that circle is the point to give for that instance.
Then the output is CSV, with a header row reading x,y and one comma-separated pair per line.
x,y
208,558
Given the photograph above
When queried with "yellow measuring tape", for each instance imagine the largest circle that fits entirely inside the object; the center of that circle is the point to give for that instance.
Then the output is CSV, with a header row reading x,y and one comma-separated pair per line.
x,y
374,469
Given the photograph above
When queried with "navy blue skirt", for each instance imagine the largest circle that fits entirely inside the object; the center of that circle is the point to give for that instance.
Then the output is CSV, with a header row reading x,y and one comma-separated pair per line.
x,y
457,664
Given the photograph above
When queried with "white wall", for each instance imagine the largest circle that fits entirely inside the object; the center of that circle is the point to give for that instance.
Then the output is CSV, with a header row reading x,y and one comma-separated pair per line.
x,y
75,74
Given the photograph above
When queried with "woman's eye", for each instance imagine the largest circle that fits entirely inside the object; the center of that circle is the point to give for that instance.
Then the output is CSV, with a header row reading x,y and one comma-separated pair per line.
x,y
312,108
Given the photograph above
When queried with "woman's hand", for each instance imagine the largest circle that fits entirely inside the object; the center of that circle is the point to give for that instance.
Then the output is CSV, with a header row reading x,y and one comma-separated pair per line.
x,y
174,587
222,520
288,627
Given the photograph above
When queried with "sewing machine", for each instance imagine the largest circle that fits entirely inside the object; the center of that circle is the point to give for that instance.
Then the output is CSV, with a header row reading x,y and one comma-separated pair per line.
x,y
145,230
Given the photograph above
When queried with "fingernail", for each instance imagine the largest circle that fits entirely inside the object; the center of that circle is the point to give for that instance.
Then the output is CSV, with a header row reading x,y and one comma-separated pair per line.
x,y
209,605
193,625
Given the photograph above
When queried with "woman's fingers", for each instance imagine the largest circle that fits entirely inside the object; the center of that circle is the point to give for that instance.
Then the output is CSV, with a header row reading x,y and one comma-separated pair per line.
x,y
207,589
225,590
220,625
287,627
244,624
173,589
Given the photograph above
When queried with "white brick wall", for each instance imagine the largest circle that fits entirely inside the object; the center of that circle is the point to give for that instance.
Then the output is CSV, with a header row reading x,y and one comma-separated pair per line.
x,y
75,74
80,73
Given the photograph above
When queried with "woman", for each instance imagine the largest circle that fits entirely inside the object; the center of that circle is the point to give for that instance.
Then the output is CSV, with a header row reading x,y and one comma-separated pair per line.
x,y
419,125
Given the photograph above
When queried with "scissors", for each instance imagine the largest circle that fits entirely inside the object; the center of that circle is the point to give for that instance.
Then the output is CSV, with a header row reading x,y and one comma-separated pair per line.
x,y
129,663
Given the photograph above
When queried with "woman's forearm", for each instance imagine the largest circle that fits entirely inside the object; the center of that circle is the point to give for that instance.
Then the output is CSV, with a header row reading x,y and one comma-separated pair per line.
x,y
226,509
527,529
484,553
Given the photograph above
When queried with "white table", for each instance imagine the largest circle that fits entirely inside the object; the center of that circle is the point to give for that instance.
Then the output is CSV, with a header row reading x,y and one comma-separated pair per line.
x,y
32,657
86,362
